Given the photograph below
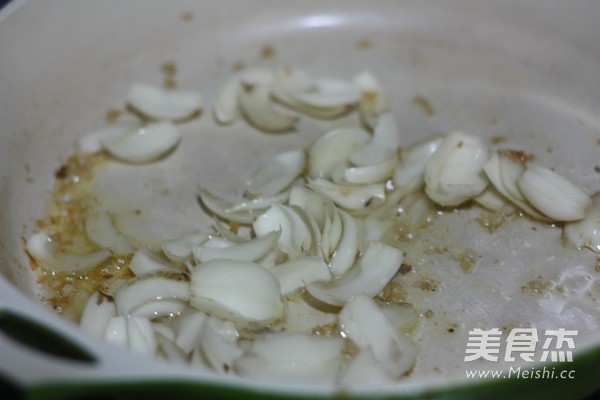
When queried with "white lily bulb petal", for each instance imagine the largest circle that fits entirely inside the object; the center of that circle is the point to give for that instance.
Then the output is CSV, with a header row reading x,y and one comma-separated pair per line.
x,y
92,142
219,207
296,274
189,329
160,308
98,310
40,247
364,371
345,253
218,343
99,228
164,329
373,173
259,203
408,174
290,81
586,232
140,335
386,131
293,356
146,260
314,231
252,250
333,149
454,173
169,350
260,110
372,153
240,291
312,202
554,195
503,172
374,101
295,237
492,200
327,93
226,109
162,104
353,197
277,173
332,230
154,294
377,266
367,326
116,331
180,250
145,144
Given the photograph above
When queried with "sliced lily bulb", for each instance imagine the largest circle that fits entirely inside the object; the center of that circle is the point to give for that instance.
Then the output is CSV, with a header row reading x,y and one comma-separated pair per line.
x,y
153,295
295,274
346,251
503,171
377,266
383,145
260,110
189,329
373,173
288,83
134,332
259,203
314,231
93,142
251,250
408,174
99,228
332,230
554,195
295,238
98,310
364,371
226,109
146,260
41,248
220,207
218,344
454,173
492,200
276,174
293,356
333,149
164,329
586,232
366,325
373,101
144,145
322,210
327,93
240,291
352,197
161,104
169,350
181,250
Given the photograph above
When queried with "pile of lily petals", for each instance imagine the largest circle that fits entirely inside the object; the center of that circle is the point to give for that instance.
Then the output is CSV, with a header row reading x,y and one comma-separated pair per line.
x,y
312,223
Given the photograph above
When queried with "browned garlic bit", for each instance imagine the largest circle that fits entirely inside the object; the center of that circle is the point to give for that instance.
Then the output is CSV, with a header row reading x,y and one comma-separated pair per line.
x,y
314,228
